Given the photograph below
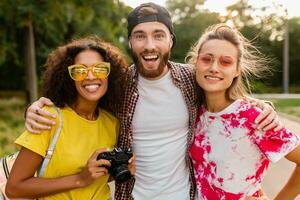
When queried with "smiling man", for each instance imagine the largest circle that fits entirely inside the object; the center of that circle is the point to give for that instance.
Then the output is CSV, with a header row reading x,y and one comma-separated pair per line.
x,y
150,43
160,110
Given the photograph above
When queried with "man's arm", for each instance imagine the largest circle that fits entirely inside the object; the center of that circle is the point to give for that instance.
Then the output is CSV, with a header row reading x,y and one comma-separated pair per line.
x,y
37,119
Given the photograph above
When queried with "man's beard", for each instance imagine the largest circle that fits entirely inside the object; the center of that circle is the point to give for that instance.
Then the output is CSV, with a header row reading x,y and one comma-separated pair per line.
x,y
151,73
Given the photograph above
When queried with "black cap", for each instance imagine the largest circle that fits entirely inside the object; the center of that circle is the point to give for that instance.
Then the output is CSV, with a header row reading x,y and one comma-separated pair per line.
x,y
159,14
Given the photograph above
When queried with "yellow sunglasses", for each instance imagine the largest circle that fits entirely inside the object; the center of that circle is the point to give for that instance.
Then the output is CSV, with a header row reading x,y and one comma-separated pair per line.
x,y
79,72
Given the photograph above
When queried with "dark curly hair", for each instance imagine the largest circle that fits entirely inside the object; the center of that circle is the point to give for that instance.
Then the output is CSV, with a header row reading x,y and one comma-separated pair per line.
x,y
60,88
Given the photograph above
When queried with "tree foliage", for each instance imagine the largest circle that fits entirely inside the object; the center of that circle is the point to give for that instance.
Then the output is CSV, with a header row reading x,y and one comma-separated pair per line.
x,y
55,22
189,23
263,26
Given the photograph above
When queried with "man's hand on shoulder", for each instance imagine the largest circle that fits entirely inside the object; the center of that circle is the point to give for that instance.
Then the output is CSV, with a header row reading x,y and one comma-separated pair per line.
x,y
37,119
268,119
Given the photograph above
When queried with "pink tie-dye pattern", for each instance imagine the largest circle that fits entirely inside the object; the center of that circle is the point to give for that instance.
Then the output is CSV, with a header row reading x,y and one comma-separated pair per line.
x,y
212,117
263,165
232,119
273,143
270,141
209,182
209,191
212,192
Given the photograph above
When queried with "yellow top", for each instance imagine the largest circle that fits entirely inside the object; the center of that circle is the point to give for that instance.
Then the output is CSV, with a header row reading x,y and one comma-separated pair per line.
x,y
78,140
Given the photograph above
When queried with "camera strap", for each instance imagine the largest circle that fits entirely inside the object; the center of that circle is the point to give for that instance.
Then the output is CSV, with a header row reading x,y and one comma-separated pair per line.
x,y
51,147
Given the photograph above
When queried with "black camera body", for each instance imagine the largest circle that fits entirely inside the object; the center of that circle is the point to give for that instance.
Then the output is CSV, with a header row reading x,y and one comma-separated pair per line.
x,y
119,163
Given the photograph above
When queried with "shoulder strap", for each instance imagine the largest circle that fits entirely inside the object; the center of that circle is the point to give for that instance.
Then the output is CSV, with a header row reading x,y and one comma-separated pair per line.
x,y
51,146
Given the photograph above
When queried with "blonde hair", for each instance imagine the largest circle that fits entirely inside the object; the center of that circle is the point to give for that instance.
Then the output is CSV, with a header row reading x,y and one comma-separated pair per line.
x,y
250,61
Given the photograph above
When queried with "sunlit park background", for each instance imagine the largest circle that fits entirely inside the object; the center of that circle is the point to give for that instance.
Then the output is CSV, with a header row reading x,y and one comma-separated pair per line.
x,y
31,29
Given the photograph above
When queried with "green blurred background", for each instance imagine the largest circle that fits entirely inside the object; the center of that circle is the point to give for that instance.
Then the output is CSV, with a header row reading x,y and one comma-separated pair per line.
x,y
31,29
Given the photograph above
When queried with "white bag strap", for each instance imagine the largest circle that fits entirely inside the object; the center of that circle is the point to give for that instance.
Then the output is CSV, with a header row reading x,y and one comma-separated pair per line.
x,y
51,147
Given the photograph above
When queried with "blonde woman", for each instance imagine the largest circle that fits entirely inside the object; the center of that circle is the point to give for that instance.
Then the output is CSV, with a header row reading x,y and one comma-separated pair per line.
x,y
230,156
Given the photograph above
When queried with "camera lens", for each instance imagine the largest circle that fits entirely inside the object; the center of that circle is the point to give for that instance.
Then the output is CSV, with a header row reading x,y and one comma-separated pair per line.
x,y
121,173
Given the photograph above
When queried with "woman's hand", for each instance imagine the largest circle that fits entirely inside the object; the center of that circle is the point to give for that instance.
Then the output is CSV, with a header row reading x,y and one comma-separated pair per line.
x,y
131,165
93,169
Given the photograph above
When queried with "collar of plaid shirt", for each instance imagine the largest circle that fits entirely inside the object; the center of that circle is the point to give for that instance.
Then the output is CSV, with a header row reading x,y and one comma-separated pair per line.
x,y
183,76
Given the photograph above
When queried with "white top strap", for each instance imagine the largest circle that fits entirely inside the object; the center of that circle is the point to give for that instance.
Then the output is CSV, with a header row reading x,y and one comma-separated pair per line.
x,y
51,146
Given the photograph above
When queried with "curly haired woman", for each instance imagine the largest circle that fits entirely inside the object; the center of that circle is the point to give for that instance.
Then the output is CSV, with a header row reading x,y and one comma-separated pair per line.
x,y
84,78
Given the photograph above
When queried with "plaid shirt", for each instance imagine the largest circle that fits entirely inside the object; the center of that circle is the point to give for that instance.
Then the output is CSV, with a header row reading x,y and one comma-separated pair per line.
x,y
184,78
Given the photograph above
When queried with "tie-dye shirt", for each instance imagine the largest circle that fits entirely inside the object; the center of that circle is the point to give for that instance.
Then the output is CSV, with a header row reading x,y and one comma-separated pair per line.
x,y
231,156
